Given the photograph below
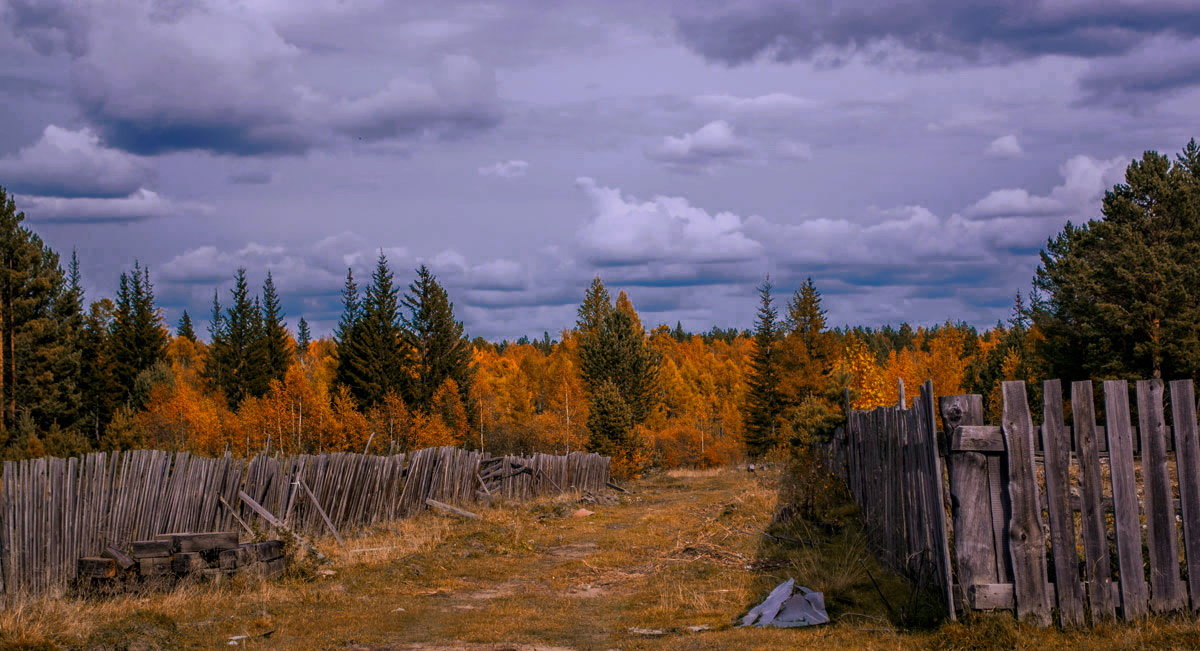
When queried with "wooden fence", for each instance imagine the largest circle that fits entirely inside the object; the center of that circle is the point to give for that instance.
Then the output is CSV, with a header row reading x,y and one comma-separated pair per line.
x,y
889,459
54,511
1069,521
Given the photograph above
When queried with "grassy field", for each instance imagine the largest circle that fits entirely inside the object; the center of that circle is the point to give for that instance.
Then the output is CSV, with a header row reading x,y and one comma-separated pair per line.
x,y
673,564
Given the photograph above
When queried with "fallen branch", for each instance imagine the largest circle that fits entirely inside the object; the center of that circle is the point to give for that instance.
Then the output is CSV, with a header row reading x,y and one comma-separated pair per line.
x,y
453,510
615,487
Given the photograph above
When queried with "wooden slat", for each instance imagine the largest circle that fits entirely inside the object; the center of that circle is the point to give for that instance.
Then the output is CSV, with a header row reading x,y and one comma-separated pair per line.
x,y
1187,456
1126,516
1057,445
1097,571
1026,538
1167,590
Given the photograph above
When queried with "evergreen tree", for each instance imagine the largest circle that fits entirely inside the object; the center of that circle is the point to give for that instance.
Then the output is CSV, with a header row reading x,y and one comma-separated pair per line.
x,y
100,394
610,423
38,357
138,336
237,358
679,334
303,337
371,355
614,350
764,401
1122,293
274,334
185,329
346,353
596,306
438,347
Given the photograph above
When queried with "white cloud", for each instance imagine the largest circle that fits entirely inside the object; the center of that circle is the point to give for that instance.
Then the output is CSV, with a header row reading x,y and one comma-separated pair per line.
x,y
509,169
66,163
624,231
1005,147
704,150
139,206
1084,181
769,105
794,150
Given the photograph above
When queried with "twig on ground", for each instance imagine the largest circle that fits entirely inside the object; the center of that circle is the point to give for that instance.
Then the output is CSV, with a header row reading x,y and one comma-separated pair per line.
x,y
887,604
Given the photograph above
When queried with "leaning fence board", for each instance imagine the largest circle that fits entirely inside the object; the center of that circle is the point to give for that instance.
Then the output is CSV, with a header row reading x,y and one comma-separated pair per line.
x,y
1166,589
1026,539
1125,503
1057,444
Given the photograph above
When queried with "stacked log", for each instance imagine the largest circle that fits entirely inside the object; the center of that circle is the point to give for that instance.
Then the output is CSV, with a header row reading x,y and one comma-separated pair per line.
x,y
171,557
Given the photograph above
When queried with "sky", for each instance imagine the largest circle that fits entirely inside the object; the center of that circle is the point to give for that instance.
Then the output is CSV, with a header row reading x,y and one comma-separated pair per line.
x,y
910,156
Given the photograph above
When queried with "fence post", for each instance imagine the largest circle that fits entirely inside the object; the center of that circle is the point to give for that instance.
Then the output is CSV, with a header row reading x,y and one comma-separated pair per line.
x,y
974,545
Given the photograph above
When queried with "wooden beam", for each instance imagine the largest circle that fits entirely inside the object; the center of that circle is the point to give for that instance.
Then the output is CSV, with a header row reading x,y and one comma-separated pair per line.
x,y
274,521
324,516
453,510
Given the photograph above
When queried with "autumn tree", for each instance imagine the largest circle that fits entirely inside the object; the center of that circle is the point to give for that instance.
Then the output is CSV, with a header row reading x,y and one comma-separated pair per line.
x,y
764,401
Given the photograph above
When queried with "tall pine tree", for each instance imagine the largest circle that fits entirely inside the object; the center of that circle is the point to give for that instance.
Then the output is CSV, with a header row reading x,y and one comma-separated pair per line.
x,y
303,337
764,401
138,336
185,329
237,358
371,360
436,342
274,333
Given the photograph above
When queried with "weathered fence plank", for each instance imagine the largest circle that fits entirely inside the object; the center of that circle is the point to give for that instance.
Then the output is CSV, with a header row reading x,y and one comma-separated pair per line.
x,y
1097,571
1057,445
1187,457
975,548
1167,591
1126,519
1026,538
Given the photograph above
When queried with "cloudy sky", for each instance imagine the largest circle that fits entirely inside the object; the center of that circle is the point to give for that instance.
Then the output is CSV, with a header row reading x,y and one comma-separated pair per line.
x,y
910,155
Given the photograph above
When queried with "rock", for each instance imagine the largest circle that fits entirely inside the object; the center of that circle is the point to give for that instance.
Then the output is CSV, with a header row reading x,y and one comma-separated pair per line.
x,y
647,631
581,513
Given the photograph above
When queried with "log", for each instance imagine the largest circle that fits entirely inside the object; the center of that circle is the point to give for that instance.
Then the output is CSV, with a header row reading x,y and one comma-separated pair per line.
x,y
150,548
203,542
123,560
454,510
96,567
154,566
187,562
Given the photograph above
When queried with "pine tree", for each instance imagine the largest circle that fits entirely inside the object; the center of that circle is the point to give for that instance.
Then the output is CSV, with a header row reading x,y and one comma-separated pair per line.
x,y
347,370
596,306
274,334
138,336
764,402
237,358
618,352
100,395
185,329
438,347
371,355
610,423
303,337
1122,293
37,354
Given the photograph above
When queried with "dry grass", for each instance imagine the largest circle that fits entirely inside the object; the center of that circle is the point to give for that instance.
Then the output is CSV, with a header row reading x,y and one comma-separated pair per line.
x,y
680,554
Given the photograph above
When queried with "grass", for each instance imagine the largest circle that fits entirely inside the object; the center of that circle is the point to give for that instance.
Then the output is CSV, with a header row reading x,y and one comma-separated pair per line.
x,y
673,564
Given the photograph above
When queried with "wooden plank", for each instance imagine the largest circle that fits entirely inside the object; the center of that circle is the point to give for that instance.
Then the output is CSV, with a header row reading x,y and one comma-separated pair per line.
x,y
976,438
999,596
96,567
1027,543
975,548
1096,571
202,542
1167,591
454,510
1187,457
1126,514
936,487
269,517
324,516
1056,442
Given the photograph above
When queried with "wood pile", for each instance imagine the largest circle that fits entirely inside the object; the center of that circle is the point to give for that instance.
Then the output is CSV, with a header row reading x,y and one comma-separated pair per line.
x,y
170,557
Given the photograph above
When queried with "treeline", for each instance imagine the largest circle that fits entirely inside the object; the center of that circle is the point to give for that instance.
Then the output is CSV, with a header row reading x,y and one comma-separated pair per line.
x,y
1116,297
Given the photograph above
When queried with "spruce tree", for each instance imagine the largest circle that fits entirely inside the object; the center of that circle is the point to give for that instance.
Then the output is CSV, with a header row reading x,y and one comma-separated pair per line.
x,y
38,353
237,357
610,423
303,337
595,307
185,329
618,352
764,401
374,357
347,352
274,334
138,336
100,394
436,342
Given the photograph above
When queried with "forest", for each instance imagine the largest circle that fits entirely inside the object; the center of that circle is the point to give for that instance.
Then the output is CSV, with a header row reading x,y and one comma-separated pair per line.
x,y
1114,297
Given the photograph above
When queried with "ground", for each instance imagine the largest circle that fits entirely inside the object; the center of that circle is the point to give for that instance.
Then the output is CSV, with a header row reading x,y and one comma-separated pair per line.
x,y
672,564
